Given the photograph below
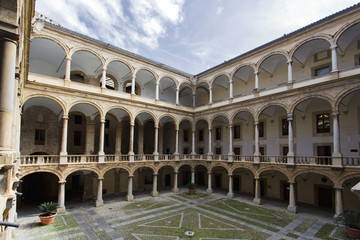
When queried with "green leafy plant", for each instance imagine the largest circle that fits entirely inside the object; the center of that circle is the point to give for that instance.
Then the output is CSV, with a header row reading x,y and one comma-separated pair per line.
x,y
48,208
350,219
191,186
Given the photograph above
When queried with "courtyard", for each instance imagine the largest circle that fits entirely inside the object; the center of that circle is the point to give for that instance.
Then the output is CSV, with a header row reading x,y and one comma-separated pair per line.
x,y
170,216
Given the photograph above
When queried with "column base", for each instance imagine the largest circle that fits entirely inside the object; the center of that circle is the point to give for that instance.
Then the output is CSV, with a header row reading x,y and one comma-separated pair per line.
x,y
292,209
61,209
129,198
99,203
209,190
175,190
337,159
230,195
257,201
154,193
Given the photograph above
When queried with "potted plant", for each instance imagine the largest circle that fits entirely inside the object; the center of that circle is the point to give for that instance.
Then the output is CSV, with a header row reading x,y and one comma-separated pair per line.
x,y
351,220
192,188
48,210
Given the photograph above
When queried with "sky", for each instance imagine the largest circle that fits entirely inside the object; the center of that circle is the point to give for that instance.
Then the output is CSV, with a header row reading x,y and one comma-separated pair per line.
x,y
189,35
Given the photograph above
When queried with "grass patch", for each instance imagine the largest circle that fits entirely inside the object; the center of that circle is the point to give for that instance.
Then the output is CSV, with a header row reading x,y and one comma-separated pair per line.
x,y
302,227
194,196
325,231
341,233
103,235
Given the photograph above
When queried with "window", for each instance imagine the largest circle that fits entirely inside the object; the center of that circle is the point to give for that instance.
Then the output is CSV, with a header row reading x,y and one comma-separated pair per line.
x,y
218,151
321,71
186,135
77,138
237,132
78,119
262,150
107,142
284,127
201,151
261,129
236,150
323,123
201,135
218,134
186,151
322,55
107,123
39,136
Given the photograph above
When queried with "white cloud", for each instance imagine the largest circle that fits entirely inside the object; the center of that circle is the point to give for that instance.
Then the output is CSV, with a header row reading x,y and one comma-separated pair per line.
x,y
219,10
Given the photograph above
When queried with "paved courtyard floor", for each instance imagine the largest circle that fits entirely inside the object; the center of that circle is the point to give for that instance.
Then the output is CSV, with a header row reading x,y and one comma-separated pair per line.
x,y
169,216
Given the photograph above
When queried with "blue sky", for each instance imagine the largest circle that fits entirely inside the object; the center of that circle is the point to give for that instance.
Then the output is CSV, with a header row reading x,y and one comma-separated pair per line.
x,y
189,35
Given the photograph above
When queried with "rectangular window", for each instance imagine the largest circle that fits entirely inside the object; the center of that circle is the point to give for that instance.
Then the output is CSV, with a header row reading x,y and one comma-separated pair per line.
x,y
261,129
107,123
39,136
237,132
237,151
262,151
201,135
78,119
284,127
186,151
77,138
323,123
186,135
322,71
218,151
201,151
218,134
107,142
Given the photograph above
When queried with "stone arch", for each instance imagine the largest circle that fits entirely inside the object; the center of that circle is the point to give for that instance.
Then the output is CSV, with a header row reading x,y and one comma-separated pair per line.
x,y
82,48
44,169
167,115
343,94
148,112
137,87
114,59
108,109
223,165
343,29
170,77
90,103
183,164
252,65
252,170
189,119
81,73
326,173
200,82
202,164
270,168
160,166
59,42
325,37
144,166
54,98
218,75
202,118
156,76
279,104
92,169
218,115
116,83
281,52
303,98
343,179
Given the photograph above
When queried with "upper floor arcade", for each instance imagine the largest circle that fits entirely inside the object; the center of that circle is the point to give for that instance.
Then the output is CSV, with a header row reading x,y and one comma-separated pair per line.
x,y
322,52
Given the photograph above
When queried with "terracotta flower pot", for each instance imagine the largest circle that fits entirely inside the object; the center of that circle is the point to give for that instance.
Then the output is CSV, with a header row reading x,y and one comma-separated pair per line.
x,y
192,191
47,219
353,232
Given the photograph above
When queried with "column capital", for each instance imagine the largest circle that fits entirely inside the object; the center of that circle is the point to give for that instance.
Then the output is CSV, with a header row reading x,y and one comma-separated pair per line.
x,y
335,113
290,116
65,117
230,125
62,182
256,72
210,88
231,81
291,182
333,47
104,68
155,174
101,178
289,62
68,58
103,120
131,176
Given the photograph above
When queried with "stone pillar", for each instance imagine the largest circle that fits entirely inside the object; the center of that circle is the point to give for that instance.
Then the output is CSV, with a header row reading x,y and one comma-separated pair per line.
x,y
64,135
154,192
99,201
230,193
231,153
257,199
131,142
61,198
103,79
68,68
338,202
101,137
210,139
177,96
209,189
118,134
177,141
291,154
193,176
336,156
292,204
257,143
231,90
156,152
90,136
157,91
334,64
175,188
161,139
290,75
129,196
256,81
210,96
141,139
193,143
133,84
194,100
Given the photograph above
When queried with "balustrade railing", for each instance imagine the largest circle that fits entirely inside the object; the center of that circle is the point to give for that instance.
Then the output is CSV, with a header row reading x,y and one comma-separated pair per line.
x,y
351,161
36,159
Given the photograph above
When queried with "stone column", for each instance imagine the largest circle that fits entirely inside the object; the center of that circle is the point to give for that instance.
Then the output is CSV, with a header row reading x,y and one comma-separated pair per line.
x,y
131,142
231,90
63,152
141,139
209,189
156,153
291,154
230,193
177,96
193,143
210,96
129,196
292,204
101,137
337,156
290,75
231,153
175,188
61,198
257,143
103,79
194,100
154,192
161,139
133,84
193,176
157,91
334,64
90,136
257,199
256,81
118,134
210,139
68,68
338,202
177,141
99,201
